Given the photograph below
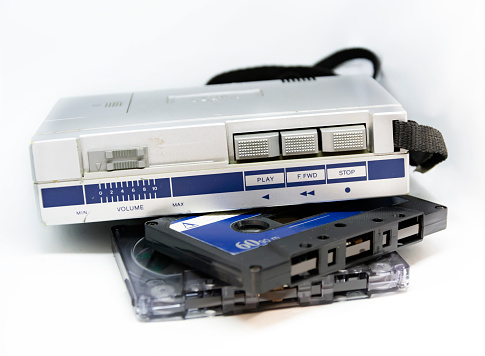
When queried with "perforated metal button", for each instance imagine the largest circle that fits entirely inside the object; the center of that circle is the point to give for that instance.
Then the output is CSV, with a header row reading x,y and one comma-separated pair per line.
x,y
298,142
343,138
261,145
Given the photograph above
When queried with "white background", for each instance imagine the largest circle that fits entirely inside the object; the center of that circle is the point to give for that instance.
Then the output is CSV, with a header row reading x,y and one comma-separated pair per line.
x,y
61,291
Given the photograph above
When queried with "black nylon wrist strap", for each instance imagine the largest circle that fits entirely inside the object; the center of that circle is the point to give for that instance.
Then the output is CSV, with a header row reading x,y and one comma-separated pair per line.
x,y
321,69
425,144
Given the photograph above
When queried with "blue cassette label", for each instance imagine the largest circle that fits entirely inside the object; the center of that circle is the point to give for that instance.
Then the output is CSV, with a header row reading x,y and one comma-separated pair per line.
x,y
216,230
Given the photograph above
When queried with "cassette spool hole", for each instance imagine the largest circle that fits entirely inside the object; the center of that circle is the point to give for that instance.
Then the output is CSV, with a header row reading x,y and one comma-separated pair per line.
x,y
250,225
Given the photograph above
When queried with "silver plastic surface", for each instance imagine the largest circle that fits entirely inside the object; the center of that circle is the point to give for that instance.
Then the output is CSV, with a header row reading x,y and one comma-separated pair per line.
x,y
190,132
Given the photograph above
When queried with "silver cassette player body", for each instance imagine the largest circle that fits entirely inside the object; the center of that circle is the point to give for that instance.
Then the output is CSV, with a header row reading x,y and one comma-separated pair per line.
x,y
220,147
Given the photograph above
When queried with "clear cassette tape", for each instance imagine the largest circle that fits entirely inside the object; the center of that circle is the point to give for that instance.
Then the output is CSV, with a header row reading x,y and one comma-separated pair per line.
x,y
164,289
259,250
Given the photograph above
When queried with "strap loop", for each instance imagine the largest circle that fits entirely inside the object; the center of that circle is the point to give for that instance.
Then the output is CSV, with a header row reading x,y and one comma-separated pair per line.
x,y
425,144
322,69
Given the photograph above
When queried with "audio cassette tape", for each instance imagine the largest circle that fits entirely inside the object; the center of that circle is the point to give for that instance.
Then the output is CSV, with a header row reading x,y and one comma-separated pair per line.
x,y
262,249
163,289
218,148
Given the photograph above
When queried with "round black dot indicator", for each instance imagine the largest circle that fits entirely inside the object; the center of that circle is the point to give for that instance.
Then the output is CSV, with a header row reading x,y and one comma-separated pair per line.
x,y
347,190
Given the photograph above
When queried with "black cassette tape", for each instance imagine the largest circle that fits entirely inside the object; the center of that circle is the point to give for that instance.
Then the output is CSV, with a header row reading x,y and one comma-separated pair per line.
x,y
163,289
263,249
